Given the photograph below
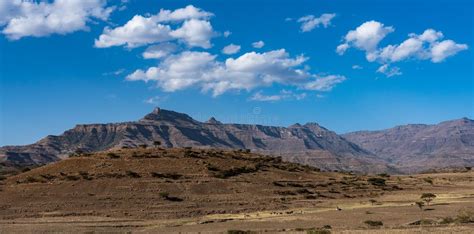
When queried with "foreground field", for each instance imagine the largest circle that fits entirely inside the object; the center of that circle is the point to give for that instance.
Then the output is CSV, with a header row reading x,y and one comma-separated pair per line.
x,y
190,190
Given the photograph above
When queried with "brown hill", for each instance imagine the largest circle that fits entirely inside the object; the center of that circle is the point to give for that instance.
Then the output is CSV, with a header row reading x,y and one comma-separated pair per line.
x,y
309,144
172,183
420,147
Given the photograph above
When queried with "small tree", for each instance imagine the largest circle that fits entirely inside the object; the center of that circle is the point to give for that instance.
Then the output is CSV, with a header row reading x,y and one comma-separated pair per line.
x,y
372,201
157,143
428,197
420,204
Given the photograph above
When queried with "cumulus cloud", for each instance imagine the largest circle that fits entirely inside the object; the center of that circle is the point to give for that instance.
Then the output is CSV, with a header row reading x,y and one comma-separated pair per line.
x,y
283,95
136,32
246,72
231,49
258,44
366,37
426,46
227,33
310,22
39,19
181,14
195,31
159,51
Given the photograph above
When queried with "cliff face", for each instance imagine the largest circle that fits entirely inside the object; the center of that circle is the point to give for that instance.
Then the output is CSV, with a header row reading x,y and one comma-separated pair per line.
x,y
418,147
310,143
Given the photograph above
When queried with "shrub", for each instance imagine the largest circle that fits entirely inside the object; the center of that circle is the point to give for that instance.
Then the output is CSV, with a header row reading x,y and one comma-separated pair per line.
x,y
428,180
156,143
373,223
384,175
72,177
48,176
2,177
420,204
212,168
173,176
133,174
143,146
238,232
167,196
318,231
278,184
234,171
465,216
372,201
113,155
376,181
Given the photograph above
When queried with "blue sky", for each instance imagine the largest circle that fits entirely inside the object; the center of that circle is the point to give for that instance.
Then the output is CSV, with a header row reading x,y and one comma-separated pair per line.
x,y
91,68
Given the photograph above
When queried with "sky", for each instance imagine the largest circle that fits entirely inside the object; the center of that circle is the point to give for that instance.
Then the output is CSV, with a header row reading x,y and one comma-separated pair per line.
x,y
347,65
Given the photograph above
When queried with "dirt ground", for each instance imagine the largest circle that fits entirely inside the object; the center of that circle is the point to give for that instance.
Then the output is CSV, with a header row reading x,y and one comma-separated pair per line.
x,y
208,191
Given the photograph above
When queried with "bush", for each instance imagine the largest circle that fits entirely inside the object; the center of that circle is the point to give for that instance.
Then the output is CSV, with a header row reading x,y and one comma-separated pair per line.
x,y
465,216
167,196
2,177
372,223
113,155
234,171
133,174
428,180
72,177
376,181
173,176
238,232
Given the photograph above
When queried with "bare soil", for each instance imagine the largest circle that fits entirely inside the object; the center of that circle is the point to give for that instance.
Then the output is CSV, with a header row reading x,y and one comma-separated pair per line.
x,y
196,190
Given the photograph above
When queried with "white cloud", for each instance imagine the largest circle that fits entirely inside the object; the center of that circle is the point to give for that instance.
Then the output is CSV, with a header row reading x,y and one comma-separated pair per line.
x,y
366,37
159,51
136,32
250,70
40,19
426,46
389,71
324,83
195,31
441,50
156,100
283,95
181,14
231,49
357,67
258,44
227,33
309,22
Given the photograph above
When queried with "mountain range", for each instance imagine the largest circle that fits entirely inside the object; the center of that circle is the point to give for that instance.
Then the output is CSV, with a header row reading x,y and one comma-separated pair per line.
x,y
410,148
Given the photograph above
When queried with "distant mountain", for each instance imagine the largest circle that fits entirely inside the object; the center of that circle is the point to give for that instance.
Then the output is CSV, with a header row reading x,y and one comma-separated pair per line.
x,y
419,147
310,144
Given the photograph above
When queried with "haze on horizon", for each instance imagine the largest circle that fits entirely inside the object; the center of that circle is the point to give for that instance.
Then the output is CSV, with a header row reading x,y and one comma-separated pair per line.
x,y
347,66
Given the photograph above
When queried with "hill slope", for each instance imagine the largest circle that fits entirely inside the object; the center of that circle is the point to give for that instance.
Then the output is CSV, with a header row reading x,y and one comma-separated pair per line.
x,y
172,183
310,143
418,147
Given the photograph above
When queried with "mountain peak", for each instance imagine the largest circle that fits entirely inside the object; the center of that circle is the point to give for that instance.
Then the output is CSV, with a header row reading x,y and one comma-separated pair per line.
x,y
159,114
213,120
